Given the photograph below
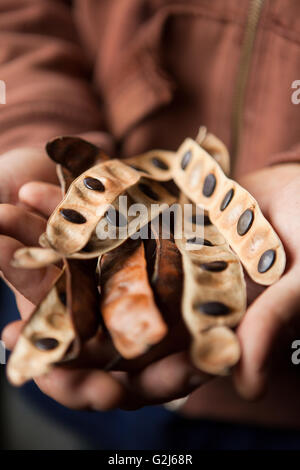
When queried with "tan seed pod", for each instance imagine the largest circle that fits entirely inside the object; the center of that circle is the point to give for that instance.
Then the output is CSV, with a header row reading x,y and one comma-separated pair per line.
x,y
215,147
45,339
66,317
127,302
233,210
94,247
214,296
157,164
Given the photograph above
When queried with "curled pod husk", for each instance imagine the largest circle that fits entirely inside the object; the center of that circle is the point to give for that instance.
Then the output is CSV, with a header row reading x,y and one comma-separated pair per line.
x,y
127,304
157,164
234,212
145,198
66,317
215,147
214,299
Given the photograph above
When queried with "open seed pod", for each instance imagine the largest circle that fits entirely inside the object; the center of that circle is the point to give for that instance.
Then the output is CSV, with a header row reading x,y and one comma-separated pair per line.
x,y
156,163
214,298
215,147
66,317
232,210
144,201
127,304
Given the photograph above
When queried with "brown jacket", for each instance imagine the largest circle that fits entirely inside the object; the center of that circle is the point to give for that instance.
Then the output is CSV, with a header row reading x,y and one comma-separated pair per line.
x,y
147,73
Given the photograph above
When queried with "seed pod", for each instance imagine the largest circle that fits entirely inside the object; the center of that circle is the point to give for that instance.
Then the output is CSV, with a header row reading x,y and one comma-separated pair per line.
x,y
127,303
62,321
45,339
74,154
234,212
95,246
156,163
215,148
214,296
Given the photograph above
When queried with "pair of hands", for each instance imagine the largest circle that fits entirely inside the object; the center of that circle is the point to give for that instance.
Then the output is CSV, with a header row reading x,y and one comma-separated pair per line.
x,y
26,206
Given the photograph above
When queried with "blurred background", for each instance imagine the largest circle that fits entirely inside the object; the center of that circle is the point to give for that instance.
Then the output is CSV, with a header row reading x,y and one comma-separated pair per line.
x,y
32,421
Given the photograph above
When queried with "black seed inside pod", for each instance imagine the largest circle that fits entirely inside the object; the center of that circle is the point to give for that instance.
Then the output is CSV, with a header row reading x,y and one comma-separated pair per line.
x,y
46,344
186,159
266,261
209,185
159,163
115,218
148,191
214,309
227,199
215,266
245,222
93,184
199,241
73,216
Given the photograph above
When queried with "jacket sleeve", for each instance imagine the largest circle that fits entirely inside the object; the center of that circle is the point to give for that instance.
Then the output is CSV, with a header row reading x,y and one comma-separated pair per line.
x,y
47,79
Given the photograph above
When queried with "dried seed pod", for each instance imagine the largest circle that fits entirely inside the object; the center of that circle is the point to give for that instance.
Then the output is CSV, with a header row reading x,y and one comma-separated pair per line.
x,y
214,299
83,207
74,154
157,164
215,148
95,245
233,210
67,316
45,338
127,302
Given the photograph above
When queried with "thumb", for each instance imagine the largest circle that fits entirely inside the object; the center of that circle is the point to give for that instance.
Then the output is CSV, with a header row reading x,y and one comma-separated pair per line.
x,y
263,323
43,197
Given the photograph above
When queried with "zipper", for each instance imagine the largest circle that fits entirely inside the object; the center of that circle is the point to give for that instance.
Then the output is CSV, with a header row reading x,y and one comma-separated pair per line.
x,y
255,9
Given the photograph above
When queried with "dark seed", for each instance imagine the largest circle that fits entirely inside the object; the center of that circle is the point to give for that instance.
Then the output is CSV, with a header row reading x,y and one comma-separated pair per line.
x,y
73,216
199,241
94,184
215,266
198,220
159,163
245,222
227,199
186,159
63,297
115,218
209,185
266,261
213,308
46,344
148,191
138,168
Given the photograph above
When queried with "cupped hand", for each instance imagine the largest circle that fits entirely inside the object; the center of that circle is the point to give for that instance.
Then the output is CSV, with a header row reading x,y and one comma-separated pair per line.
x,y
271,321
83,384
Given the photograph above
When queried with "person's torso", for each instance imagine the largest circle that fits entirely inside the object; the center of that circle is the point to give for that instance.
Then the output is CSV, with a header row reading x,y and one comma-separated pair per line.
x,y
164,67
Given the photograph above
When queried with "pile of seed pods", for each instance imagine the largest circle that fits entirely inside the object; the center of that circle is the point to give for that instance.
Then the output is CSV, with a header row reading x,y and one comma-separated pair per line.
x,y
136,289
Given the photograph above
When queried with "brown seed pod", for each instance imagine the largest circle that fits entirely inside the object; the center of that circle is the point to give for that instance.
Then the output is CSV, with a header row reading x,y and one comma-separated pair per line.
x,y
74,154
215,148
45,339
234,212
127,303
157,164
67,316
139,194
214,299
